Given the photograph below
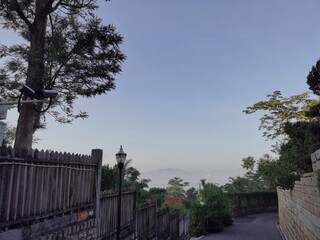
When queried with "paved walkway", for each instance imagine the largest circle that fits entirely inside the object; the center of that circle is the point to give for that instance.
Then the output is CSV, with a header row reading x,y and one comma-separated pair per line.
x,y
260,226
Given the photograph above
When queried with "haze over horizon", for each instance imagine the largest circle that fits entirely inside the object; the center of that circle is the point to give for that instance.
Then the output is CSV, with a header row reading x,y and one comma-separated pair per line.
x,y
192,67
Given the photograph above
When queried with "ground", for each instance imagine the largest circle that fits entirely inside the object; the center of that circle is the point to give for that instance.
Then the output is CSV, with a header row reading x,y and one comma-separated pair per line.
x,y
262,226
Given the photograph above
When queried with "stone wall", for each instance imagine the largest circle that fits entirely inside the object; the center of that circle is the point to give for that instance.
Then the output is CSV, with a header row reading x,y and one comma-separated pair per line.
x,y
299,208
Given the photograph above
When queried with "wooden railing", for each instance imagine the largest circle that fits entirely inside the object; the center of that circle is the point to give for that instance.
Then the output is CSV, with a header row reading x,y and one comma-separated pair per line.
x,y
39,184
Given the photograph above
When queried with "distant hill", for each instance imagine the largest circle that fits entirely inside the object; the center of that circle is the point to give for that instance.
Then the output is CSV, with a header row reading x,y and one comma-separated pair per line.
x,y
161,177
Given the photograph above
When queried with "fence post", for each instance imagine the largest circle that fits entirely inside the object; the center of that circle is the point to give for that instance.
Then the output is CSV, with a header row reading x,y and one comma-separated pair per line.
x,y
96,155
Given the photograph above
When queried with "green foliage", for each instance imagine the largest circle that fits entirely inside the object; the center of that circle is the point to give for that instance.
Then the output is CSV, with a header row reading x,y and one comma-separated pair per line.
x,y
295,119
279,111
248,163
131,178
158,194
313,78
81,55
109,177
264,175
243,184
191,194
212,213
176,187
9,135
304,139
254,200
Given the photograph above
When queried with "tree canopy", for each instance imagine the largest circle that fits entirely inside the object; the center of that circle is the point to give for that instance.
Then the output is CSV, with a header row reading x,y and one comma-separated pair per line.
x,y
65,47
313,78
176,187
279,110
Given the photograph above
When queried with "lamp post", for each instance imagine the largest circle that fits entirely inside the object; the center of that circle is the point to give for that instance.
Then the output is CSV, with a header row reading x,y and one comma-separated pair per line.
x,y
121,158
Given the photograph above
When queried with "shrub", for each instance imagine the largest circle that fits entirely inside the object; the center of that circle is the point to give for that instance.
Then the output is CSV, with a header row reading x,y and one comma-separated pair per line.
x,y
212,213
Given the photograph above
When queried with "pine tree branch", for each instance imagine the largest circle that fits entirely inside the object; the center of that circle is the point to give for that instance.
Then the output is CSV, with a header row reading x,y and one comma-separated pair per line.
x,y
21,14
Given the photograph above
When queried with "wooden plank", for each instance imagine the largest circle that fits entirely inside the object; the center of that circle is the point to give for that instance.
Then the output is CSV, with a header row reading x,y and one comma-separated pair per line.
x,y
60,188
15,196
35,198
30,190
9,192
3,189
46,192
67,199
41,189
23,195
52,189
56,189
96,155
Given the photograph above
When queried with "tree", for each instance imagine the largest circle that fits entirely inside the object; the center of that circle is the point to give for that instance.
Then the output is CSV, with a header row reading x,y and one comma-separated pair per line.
x,y
279,111
158,194
237,185
176,187
304,139
191,193
313,78
66,47
248,163
109,177
9,135
212,213
277,173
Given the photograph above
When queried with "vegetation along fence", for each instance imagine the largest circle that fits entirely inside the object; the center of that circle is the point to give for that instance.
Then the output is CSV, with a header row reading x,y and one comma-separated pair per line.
x,y
144,222
39,184
247,203
161,224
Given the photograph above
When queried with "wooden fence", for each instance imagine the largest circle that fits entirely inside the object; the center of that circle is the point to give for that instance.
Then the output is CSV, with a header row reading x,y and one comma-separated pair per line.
x,y
161,224
144,222
39,184
108,213
36,185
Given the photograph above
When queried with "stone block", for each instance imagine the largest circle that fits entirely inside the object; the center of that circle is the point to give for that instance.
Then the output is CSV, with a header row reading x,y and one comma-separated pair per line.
x,y
309,207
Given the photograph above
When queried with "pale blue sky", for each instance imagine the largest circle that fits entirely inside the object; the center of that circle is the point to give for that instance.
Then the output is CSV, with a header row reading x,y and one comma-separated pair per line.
x,y
192,67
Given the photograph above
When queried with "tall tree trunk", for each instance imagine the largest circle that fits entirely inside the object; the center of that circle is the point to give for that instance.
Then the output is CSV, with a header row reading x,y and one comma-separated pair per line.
x,y
28,117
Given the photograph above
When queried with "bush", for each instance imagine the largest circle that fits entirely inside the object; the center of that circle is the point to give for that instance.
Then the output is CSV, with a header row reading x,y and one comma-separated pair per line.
x,y
212,214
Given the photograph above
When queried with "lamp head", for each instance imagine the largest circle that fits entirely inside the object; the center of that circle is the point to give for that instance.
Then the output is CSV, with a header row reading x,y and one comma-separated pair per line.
x,y
121,156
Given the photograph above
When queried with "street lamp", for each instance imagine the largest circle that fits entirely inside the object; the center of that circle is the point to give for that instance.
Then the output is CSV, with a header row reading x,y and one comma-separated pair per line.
x,y
121,158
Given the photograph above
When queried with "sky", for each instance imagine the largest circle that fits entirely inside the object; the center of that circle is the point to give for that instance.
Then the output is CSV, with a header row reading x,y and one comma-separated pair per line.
x,y
192,67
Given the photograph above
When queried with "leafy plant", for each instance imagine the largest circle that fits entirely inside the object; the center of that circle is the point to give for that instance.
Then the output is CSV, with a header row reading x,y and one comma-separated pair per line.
x,y
212,213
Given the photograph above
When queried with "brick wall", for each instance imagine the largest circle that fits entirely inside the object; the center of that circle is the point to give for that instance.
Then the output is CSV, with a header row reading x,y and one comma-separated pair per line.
x,y
299,208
